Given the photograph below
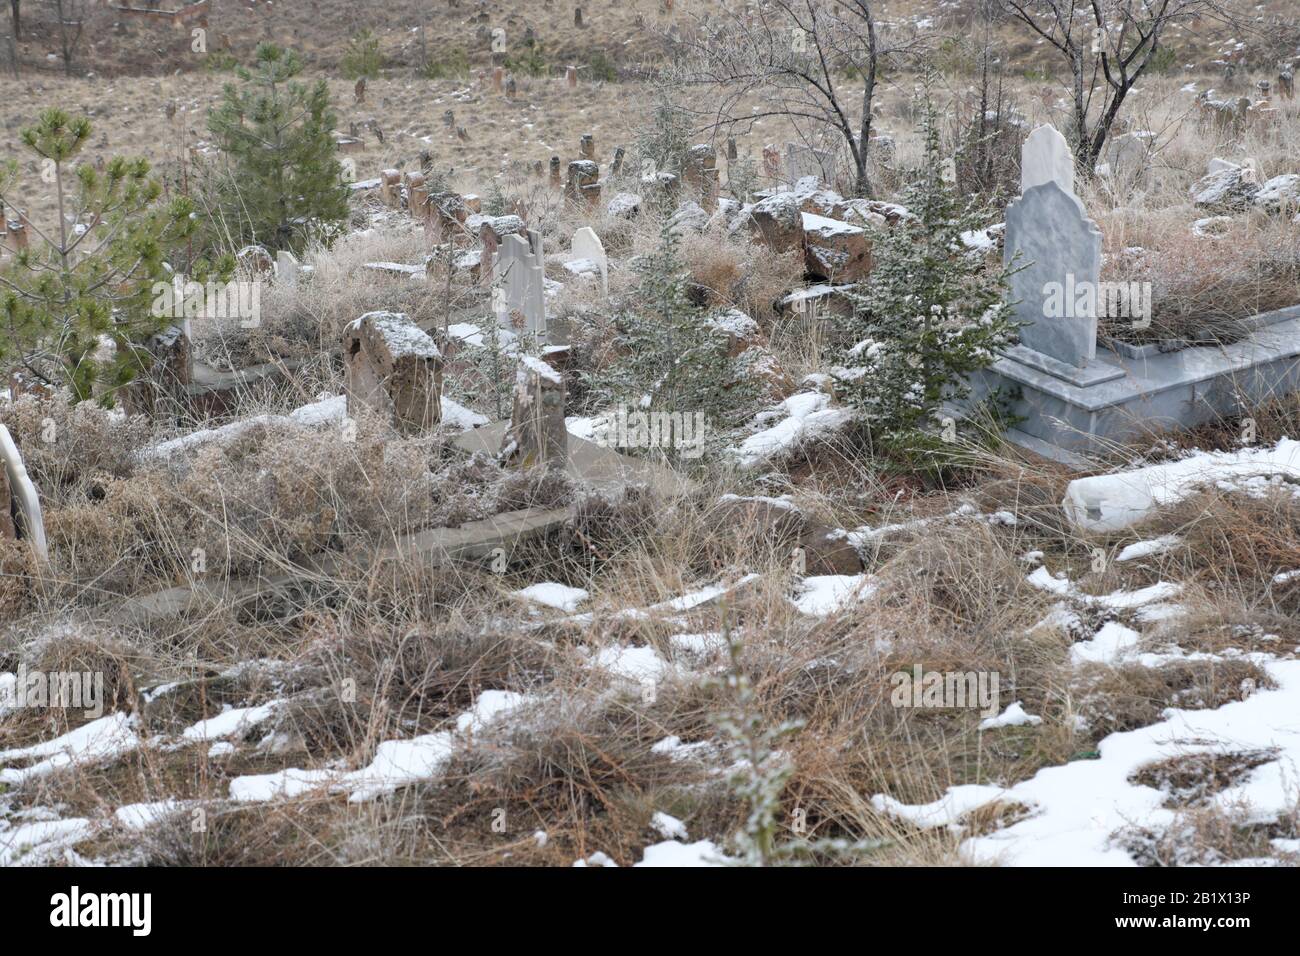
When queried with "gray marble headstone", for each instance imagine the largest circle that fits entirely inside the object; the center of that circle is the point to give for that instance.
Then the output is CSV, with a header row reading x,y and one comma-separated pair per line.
x,y
1060,251
1045,157
286,267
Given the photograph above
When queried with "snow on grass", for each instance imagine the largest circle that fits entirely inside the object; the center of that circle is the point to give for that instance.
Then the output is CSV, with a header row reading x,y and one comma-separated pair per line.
x,y
1076,808
559,596
139,816
637,664
673,853
236,720
713,642
1044,580
945,811
824,594
1109,502
1108,646
36,843
678,605
667,826
103,739
803,417
1145,549
1013,716
396,763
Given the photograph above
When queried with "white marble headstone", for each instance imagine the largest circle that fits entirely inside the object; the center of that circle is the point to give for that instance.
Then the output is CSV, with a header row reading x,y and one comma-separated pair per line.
x,y
587,245
1046,158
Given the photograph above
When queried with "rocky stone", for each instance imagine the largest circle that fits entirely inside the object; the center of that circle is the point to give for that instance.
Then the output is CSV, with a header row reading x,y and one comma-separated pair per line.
x,y
835,250
1226,190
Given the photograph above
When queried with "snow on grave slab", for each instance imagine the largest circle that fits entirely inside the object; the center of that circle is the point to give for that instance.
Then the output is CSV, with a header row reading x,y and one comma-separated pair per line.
x,y
1110,502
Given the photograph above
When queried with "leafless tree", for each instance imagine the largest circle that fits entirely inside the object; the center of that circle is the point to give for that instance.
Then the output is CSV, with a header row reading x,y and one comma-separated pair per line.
x,y
1108,45
816,63
71,15
13,36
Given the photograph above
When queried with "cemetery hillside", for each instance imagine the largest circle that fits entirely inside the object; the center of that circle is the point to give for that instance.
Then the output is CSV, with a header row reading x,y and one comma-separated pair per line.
x,y
650,433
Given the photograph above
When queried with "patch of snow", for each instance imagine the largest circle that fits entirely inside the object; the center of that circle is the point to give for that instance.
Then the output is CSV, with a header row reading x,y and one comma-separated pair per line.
x,y
559,596
821,595
1013,716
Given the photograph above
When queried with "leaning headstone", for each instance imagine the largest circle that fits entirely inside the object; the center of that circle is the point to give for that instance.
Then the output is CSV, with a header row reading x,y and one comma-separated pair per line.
x,y
393,367
587,245
1055,294
25,499
537,435
1046,158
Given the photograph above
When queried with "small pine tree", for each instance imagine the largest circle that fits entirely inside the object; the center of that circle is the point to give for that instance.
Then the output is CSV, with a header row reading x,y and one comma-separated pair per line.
x,y
282,185
672,359
91,279
362,58
931,312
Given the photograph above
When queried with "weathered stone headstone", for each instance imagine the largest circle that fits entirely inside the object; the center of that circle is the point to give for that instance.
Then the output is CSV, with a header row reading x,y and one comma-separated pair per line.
x,y
1055,293
390,186
587,245
286,268
804,161
700,173
584,182
587,146
555,171
393,367
1046,158
571,77
537,435
26,502
1129,157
